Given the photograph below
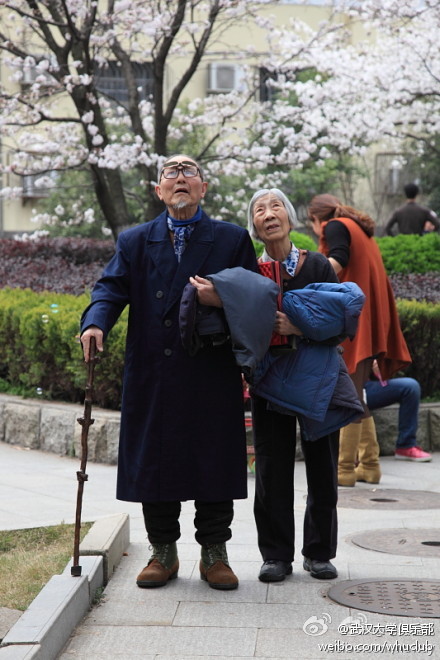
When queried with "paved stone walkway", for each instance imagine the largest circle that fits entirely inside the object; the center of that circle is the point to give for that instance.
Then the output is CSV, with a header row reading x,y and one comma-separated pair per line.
x,y
186,619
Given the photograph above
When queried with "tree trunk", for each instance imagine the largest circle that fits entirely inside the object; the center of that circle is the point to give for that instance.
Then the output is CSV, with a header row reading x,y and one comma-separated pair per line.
x,y
111,198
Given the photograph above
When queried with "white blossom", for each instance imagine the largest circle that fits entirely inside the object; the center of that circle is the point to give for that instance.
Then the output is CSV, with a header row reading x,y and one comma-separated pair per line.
x,y
89,216
88,117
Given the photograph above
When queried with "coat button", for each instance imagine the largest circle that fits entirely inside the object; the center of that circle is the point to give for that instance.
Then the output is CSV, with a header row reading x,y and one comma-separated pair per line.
x,y
167,323
159,294
168,352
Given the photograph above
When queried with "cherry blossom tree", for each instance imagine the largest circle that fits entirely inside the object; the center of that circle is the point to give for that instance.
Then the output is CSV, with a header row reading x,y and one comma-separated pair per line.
x,y
55,116
391,79
397,68
326,92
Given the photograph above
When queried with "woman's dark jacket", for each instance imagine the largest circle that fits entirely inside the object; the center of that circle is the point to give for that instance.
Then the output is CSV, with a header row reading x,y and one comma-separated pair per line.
x,y
312,381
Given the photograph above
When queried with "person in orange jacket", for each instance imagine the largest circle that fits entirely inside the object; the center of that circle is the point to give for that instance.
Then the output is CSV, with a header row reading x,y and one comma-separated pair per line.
x,y
346,238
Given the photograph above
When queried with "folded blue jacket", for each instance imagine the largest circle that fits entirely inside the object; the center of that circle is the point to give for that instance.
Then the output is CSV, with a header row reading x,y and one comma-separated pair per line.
x,y
325,309
312,382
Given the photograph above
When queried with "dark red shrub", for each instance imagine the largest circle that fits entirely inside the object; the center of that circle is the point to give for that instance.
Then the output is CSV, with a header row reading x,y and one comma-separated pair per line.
x,y
60,265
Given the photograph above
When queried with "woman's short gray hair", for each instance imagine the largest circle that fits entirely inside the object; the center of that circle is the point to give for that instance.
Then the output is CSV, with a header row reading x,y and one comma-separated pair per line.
x,y
283,199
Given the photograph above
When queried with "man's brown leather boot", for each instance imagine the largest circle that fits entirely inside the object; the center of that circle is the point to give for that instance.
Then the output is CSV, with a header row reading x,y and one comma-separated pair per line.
x,y
162,566
215,569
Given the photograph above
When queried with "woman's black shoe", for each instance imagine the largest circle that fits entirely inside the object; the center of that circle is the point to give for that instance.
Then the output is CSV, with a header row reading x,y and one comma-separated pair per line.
x,y
322,570
274,570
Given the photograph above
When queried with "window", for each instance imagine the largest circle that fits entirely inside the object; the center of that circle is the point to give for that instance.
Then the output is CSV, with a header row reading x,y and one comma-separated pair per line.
x,y
267,91
37,186
110,80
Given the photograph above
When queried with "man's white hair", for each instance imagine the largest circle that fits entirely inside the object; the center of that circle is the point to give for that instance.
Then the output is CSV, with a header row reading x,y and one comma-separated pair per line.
x,y
283,199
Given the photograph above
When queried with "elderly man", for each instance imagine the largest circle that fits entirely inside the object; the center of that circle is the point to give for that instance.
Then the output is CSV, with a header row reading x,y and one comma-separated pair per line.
x,y
182,424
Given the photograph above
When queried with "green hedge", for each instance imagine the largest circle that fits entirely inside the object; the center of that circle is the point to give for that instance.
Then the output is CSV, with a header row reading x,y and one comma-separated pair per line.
x,y
404,253
301,241
420,323
410,253
40,354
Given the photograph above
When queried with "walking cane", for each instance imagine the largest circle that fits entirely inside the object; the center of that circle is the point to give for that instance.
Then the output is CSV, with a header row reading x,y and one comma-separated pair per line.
x,y
85,422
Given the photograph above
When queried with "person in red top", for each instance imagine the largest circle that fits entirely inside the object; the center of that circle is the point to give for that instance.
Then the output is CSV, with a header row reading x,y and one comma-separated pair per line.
x,y
346,238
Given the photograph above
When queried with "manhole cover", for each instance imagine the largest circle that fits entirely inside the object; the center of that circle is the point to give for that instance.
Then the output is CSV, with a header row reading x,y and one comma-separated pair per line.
x,y
399,597
409,542
387,498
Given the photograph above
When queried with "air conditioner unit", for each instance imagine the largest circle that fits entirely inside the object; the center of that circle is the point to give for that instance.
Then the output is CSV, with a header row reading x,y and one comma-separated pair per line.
x,y
31,73
30,190
224,78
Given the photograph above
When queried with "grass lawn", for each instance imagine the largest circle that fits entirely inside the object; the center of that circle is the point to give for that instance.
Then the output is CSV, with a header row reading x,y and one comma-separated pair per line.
x,y
29,558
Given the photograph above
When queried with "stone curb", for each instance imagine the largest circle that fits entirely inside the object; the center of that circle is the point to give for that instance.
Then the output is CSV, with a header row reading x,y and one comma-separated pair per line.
x,y
52,426
45,627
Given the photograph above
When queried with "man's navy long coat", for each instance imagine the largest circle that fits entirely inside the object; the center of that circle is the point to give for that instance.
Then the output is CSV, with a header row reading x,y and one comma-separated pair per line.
x,y
182,423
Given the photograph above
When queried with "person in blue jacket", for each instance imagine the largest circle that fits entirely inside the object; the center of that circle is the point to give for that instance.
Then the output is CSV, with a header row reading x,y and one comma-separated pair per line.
x,y
270,219
406,392
182,424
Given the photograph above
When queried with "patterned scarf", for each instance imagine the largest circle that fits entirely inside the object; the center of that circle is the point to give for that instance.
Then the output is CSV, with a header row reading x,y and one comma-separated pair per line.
x,y
289,263
182,231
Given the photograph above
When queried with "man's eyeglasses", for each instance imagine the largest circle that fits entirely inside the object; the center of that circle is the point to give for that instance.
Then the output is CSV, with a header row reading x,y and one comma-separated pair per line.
x,y
172,171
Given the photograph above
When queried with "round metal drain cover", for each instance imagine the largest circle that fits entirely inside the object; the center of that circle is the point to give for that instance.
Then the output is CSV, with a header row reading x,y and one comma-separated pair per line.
x,y
409,542
387,498
398,597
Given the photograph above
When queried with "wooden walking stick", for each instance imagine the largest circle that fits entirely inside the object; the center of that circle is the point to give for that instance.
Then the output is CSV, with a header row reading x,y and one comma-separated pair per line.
x,y
86,421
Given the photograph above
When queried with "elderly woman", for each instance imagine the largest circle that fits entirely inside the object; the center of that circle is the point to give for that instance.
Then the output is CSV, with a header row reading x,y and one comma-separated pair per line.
x,y
270,219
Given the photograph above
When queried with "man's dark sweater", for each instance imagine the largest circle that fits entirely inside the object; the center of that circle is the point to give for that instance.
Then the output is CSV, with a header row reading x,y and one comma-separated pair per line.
x,y
411,218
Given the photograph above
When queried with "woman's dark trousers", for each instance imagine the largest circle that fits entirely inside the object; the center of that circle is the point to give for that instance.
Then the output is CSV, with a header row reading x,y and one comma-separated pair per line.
x,y
275,448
